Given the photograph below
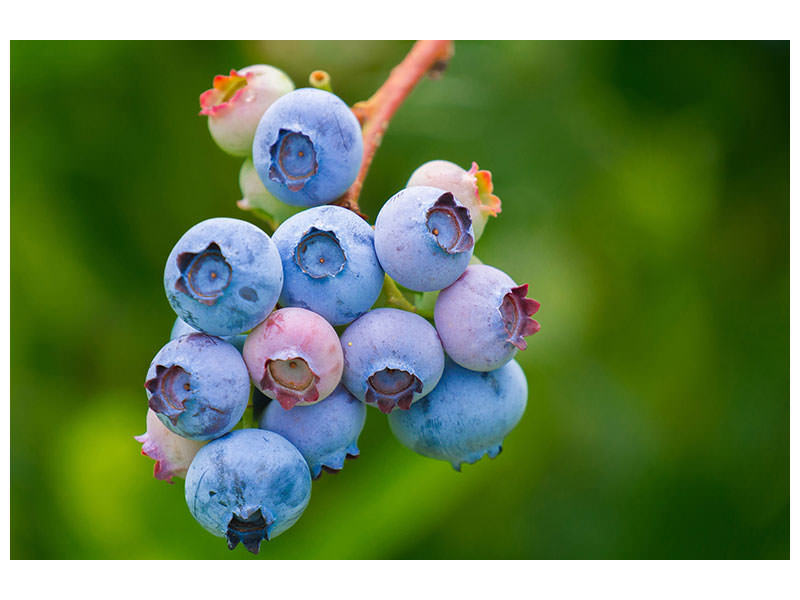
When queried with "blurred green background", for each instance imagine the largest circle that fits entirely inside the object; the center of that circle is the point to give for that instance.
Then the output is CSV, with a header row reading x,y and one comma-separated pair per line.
x,y
645,191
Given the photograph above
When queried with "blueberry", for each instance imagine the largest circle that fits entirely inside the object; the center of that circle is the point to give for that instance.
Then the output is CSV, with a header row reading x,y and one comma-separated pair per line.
x,y
392,358
223,276
199,386
325,433
294,356
248,486
181,327
423,238
483,318
329,263
307,149
466,416
237,101
471,188
173,454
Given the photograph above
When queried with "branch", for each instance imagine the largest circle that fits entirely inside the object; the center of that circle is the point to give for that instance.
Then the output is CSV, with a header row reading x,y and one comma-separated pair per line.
x,y
426,56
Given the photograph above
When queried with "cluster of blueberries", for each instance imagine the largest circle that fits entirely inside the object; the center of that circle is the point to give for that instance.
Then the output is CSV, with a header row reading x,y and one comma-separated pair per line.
x,y
451,389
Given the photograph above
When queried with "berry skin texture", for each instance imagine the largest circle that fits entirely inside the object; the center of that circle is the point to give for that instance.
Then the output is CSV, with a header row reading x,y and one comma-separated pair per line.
x,y
199,386
173,454
325,433
247,486
466,416
471,188
392,358
294,357
329,263
182,328
423,238
308,148
235,104
223,276
483,318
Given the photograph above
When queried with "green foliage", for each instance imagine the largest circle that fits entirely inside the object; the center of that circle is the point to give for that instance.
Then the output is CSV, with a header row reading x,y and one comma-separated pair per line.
x,y
645,192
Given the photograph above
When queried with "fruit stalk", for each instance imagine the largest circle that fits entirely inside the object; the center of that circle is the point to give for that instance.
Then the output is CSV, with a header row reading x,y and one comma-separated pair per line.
x,y
374,114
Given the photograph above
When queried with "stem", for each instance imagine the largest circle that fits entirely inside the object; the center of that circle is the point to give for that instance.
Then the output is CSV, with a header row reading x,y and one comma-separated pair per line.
x,y
426,56
320,80
394,297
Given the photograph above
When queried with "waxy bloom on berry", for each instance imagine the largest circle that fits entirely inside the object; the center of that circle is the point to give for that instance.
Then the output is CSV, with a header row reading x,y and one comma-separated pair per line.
x,y
423,238
466,416
248,486
329,263
199,386
325,433
484,317
223,276
308,148
173,453
235,104
392,358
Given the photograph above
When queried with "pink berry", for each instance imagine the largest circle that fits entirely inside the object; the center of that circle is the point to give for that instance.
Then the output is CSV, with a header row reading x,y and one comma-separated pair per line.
x,y
235,104
294,357
173,454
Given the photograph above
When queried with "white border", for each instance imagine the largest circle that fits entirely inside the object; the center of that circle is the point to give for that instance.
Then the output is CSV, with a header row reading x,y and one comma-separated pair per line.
x,y
151,19
350,19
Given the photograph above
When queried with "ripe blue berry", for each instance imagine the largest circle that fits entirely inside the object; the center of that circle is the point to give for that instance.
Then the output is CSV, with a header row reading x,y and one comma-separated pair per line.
x,y
237,101
325,433
483,318
248,486
183,328
392,358
199,386
329,263
466,416
307,148
223,276
471,188
423,238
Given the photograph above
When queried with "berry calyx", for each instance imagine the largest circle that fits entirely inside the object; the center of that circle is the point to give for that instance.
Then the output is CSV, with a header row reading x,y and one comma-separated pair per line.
x,y
488,203
170,389
221,97
294,160
319,254
250,530
203,275
291,380
516,311
390,388
449,223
